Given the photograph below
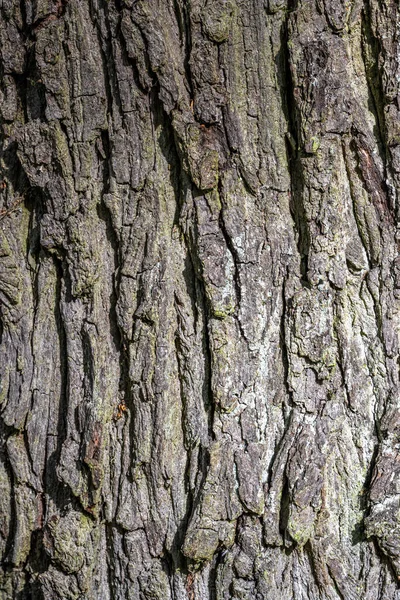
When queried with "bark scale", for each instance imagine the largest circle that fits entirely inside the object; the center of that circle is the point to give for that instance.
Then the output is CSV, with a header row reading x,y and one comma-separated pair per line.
x,y
199,285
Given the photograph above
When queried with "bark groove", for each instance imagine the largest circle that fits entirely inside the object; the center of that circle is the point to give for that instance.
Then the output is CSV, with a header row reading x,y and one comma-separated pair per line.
x,y
199,299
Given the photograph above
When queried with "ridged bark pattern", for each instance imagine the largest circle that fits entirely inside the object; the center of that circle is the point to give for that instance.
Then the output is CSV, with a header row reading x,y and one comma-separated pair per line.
x,y
199,286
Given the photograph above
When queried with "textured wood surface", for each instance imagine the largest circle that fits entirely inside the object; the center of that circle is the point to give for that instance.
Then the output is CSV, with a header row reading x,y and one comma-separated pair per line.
x,y
199,300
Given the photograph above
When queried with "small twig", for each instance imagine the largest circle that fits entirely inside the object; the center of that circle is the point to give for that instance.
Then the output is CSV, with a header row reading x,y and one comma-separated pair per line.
x,y
6,211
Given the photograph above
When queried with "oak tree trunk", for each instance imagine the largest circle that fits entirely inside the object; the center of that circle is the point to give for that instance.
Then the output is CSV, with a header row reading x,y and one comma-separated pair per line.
x,y
200,299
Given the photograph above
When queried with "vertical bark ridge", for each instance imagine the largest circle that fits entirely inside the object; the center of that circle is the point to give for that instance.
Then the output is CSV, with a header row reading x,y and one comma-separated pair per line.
x,y
199,299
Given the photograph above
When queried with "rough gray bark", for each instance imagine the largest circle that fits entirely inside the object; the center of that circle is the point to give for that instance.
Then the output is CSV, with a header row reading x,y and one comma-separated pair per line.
x,y
199,284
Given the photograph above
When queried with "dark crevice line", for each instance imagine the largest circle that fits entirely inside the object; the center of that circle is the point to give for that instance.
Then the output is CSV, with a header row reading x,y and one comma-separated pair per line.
x,y
208,395
180,21
203,309
168,566
289,108
279,449
341,358
108,60
284,509
369,477
212,579
188,46
192,499
35,300
118,335
52,486
203,460
108,528
88,377
335,584
284,347
144,86
7,555
106,50
308,549
296,202
236,277
180,353
178,560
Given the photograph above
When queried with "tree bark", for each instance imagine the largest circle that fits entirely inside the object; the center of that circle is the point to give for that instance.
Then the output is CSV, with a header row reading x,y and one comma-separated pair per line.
x,y
199,285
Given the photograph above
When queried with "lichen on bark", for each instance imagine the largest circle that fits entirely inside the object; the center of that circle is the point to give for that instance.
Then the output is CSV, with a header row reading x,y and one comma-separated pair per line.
x,y
199,299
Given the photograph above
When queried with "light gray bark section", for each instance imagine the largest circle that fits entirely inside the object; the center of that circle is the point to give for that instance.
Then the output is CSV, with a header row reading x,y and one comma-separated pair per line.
x,y
199,300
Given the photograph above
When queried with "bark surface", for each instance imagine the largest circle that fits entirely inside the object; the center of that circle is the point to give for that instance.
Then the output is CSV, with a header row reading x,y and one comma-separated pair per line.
x,y
200,296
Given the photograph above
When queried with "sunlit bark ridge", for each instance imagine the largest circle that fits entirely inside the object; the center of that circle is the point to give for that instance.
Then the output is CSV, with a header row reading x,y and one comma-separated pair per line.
x,y
199,290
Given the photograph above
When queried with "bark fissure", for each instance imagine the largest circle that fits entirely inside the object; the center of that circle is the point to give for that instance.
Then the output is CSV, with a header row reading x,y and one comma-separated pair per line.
x,y
199,300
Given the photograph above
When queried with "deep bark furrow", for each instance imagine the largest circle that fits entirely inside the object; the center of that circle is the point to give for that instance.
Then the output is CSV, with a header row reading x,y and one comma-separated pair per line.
x,y
199,275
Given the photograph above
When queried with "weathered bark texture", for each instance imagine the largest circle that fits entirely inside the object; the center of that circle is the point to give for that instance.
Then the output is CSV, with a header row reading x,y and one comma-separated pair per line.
x,y
200,295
